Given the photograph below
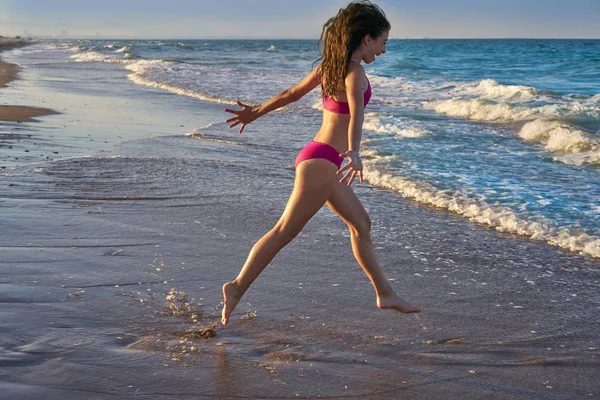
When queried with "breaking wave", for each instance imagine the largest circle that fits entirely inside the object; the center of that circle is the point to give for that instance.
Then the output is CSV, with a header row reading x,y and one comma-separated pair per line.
x,y
497,217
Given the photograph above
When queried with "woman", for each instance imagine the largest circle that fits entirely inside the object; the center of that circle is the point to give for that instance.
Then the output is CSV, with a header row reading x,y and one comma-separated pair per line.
x,y
357,33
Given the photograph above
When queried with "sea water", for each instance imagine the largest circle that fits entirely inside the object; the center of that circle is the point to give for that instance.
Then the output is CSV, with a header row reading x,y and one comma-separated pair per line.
x,y
505,133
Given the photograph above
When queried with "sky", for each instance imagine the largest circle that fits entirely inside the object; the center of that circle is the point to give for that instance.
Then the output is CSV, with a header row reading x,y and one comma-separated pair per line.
x,y
206,19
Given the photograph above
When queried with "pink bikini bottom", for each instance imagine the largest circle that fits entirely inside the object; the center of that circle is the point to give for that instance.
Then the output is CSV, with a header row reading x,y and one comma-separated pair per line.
x,y
319,150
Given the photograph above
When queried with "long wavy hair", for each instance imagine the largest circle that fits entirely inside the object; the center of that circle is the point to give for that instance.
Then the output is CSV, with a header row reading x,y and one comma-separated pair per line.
x,y
342,35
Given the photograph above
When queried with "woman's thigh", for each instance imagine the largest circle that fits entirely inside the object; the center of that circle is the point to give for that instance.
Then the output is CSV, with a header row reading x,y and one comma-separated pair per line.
x,y
347,206
313,185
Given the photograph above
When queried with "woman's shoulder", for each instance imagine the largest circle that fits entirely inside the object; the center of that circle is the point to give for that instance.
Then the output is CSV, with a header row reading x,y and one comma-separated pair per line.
x,y
356,68
356,73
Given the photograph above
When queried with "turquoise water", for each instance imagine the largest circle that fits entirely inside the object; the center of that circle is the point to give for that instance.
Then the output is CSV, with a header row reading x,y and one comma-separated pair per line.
x,y
503,132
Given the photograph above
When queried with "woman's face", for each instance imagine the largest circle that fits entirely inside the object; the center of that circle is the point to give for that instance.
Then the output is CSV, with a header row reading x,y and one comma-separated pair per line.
x,y
375,47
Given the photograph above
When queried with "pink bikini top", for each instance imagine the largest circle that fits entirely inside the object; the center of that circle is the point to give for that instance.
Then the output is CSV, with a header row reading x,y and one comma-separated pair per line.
x,y
342,107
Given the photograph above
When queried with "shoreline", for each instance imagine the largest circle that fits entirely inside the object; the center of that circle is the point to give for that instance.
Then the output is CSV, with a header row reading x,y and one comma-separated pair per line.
x,y
8,73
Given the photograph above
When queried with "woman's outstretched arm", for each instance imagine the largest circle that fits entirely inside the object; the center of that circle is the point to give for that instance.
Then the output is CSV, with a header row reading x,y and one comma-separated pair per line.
x,y
249,113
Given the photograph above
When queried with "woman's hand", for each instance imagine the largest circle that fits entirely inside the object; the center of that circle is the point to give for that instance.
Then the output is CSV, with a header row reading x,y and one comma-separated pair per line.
x,y
244,116
353,167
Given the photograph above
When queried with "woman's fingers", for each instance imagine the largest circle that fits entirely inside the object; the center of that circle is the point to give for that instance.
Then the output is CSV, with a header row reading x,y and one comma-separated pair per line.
x,y
352,177
351,172
346,176
238,116
242,116
345,167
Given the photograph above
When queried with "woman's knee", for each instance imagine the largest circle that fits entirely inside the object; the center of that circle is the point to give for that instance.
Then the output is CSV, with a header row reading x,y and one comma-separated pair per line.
x,y
285,233
361,227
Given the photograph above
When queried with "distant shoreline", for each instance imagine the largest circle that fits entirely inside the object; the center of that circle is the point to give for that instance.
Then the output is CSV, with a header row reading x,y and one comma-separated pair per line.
x,y
7,70
8,73
11,43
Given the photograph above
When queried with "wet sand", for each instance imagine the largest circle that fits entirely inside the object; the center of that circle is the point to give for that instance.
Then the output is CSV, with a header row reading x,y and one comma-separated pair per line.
x,y
96,253
112,266
8,72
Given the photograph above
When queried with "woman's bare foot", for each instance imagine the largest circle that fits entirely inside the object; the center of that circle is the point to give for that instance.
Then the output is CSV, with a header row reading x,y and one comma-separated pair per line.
x,y
396,303
231,297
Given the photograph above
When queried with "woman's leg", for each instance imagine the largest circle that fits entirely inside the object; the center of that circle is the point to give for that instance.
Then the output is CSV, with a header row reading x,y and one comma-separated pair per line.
x,y
314,181
345,204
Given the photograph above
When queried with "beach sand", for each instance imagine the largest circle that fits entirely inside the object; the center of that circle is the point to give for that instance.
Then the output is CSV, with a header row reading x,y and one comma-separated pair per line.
x,y
8,72
112,266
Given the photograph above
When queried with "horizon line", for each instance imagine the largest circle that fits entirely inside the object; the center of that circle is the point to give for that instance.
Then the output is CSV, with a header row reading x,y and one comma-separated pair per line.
x,y
89,37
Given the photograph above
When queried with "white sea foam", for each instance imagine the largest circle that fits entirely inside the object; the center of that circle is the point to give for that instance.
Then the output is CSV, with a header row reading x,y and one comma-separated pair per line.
x,y
141,68
560,137
215,83
490,89
94,56
37,48
487,100
590,158
198,131
500,218
123,49
396,84
487,110
388,124
401,92
572,145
